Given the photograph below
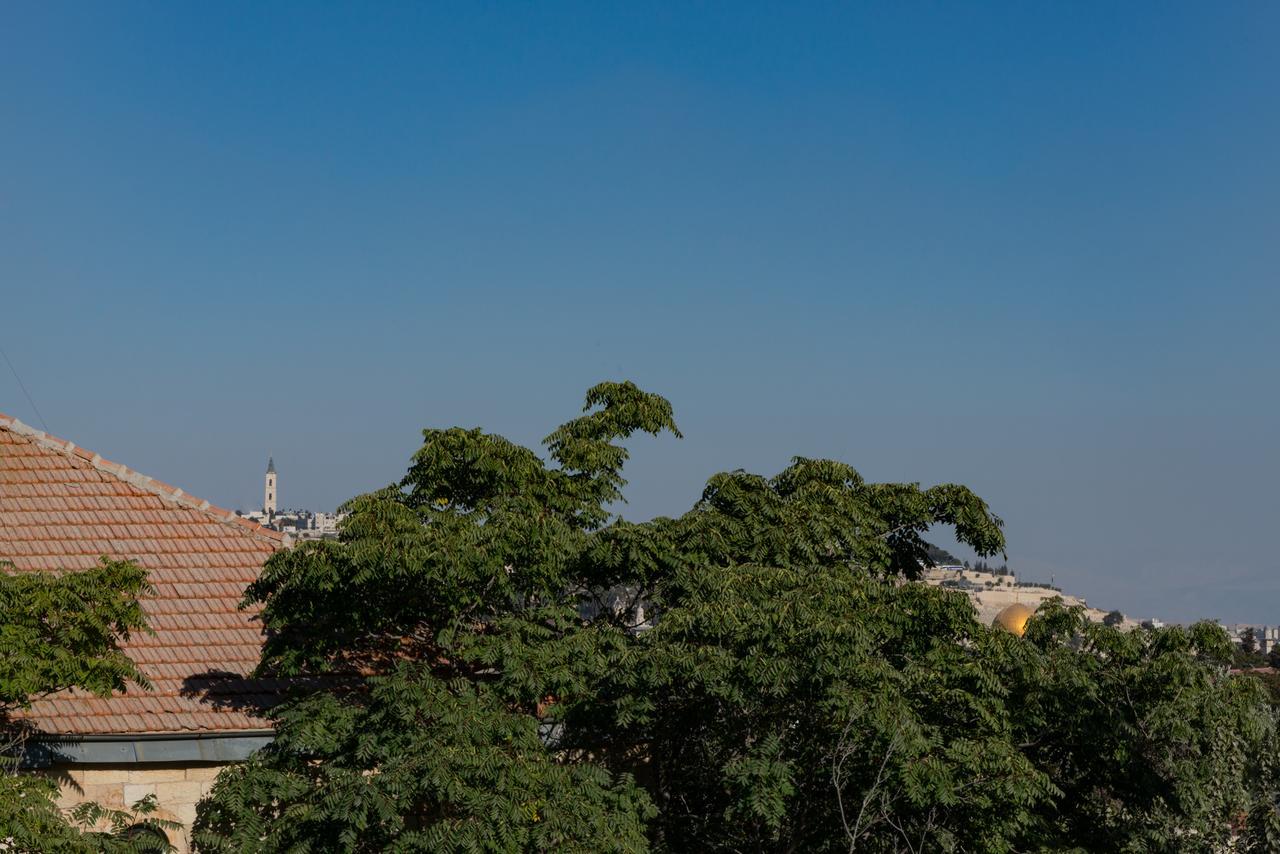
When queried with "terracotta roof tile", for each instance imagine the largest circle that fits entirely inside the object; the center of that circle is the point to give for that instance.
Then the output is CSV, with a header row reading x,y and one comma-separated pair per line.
x,y
63,508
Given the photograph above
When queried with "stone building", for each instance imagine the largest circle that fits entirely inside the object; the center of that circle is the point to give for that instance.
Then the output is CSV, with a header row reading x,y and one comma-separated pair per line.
x,y
64,508
269,489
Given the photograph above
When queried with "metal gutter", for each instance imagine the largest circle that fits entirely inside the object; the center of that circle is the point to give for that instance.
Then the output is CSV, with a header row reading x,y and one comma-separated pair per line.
x,y
144,748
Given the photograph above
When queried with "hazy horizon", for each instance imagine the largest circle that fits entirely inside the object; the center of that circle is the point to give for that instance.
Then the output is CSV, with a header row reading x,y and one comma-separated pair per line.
x,y
1030,250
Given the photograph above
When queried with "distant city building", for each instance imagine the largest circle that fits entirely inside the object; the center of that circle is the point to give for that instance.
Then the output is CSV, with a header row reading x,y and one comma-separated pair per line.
x,y
1265,638
269,489
327,523
297,524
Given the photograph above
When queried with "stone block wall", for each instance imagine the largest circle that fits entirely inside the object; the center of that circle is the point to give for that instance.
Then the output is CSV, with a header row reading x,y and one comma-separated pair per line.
x,y
178,787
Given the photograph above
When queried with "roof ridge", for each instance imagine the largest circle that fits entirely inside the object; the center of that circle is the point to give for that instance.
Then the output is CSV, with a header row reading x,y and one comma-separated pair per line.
x,y
139,480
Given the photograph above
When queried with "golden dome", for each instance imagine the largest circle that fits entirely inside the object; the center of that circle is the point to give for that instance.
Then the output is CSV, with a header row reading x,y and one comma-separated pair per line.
x,y
1013,619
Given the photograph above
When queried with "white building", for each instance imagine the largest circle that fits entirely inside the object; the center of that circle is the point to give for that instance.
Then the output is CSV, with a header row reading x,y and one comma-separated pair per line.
x,y
327,523
298,524
269,489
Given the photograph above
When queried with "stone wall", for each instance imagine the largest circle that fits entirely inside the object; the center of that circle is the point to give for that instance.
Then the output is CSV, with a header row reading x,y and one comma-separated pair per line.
x,y
991,602
177,787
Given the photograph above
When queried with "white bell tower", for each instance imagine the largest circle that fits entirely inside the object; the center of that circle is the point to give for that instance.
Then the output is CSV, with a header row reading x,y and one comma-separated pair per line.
x,y
269,490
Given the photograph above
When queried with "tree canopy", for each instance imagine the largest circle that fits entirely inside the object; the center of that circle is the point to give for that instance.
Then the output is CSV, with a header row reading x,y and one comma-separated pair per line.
x,y
489,659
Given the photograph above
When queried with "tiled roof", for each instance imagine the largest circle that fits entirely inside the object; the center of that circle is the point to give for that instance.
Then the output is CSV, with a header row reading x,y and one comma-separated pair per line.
x,y
64,508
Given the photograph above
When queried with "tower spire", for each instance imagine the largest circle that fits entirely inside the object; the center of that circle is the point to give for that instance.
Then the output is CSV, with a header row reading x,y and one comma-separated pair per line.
x,y
269,489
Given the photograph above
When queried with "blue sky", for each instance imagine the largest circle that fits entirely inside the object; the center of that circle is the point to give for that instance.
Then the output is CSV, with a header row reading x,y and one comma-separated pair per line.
x,y
1032,248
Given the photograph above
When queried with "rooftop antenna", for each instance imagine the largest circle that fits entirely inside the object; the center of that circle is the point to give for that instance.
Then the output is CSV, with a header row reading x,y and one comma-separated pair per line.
x,y
23,386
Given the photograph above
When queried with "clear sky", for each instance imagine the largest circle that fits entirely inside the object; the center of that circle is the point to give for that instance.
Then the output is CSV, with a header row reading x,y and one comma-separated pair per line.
x,y
1031,247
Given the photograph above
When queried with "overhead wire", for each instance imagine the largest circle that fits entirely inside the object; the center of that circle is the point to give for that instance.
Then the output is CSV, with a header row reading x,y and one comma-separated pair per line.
x,y
23,386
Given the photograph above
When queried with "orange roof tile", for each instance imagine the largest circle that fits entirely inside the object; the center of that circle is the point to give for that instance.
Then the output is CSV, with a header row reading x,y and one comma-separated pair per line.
x,y
63,508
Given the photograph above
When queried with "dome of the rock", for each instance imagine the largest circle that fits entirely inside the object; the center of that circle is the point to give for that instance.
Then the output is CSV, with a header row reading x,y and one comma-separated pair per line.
x,y
1013,618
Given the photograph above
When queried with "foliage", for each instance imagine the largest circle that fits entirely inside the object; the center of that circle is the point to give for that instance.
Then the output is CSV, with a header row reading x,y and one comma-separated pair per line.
x,y
460,588
60,631
983,566
1113,618
1249,641
31,821
488,660
1270,680
1243,658
941,557
1154,746
794,695
812,709
418,763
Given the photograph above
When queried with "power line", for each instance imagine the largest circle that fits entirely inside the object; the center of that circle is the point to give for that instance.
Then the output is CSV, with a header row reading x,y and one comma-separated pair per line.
x,y
23,386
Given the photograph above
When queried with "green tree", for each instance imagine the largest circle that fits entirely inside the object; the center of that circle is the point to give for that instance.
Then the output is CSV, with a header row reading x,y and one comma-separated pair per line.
x,y
814,709
1113,619
940,556
1249,641
461,588
60,631
1153,745
1245,654
489,660
787,699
